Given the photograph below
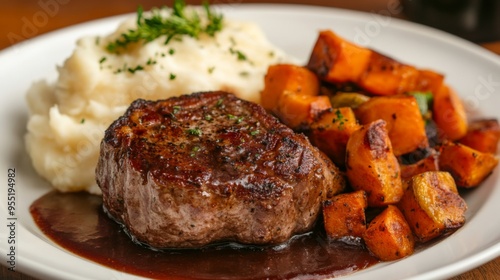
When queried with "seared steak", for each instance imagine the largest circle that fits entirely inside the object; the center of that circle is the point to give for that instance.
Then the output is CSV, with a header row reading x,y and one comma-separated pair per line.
x,y
209,167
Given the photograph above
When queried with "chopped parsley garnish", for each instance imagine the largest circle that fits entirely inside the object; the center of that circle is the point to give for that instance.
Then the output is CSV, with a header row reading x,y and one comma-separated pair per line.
x,y
240,55
176,24
101,61
211,70
172,76
194,131
82,121
194,150
339,118
176,109
254,132
135,69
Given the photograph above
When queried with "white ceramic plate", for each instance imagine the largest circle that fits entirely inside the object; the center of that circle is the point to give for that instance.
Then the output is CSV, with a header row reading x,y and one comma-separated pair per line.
x,y
474,72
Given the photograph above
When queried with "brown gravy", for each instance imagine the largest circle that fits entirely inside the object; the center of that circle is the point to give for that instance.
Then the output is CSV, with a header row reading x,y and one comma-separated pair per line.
x,y
77,223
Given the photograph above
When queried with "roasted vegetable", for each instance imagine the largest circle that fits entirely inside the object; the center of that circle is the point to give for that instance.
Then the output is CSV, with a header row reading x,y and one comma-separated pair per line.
x,y
297,111
336,60
388,235
401,113
386,76
483,135
468,167
287,79
331,131
429,163
449,114
431,205
371,165
344,215
428,81
348,99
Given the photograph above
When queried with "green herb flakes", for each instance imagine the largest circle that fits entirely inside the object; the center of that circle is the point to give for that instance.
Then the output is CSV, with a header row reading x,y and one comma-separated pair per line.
x,y
254,132
178,23
239,54
340,119
135,69
194,131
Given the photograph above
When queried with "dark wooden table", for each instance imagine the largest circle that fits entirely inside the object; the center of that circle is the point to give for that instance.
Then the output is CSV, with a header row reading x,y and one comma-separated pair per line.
x,y
23,19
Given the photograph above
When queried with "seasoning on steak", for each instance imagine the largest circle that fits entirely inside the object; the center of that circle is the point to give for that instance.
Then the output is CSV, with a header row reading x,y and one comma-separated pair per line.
x,y
208,167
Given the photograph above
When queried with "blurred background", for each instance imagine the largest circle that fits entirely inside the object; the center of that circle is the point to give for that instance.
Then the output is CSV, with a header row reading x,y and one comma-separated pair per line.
x,y
475,20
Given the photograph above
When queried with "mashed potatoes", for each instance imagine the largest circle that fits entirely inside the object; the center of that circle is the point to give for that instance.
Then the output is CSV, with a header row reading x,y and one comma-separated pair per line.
x,y
68,117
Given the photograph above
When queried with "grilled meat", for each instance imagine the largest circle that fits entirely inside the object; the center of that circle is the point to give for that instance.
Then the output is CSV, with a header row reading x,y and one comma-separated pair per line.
x,y
209,167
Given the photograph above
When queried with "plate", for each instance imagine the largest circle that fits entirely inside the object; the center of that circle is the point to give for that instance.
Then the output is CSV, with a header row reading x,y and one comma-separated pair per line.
x,y
471,70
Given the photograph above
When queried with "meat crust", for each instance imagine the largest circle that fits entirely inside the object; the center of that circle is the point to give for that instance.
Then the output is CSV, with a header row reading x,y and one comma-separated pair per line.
x,y
208,167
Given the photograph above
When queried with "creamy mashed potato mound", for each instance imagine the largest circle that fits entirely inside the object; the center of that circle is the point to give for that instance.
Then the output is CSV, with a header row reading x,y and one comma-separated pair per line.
x,y
68,117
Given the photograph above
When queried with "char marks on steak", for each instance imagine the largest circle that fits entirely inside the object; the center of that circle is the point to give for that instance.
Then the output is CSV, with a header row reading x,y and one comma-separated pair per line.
x,y
209,167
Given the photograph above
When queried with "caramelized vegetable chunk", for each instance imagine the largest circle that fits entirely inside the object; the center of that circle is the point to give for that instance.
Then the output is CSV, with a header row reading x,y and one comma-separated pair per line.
x,y
331,132
483,135
297,111
432,205
388,235
449,114
344,215
429,81
336,60
289,79
404,121
429,163
469,167
371,165
386,76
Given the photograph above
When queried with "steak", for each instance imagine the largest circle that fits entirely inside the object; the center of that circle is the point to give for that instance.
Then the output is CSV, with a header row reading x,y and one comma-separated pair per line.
x,y
208,167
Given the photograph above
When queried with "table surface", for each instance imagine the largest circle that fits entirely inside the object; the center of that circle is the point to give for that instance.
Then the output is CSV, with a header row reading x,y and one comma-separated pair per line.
x,y
15,14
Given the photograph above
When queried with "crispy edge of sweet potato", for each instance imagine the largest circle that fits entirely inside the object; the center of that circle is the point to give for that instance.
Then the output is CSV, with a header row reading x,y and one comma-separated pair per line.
x,y
469,167
344,215
405,124
371,165
388,236
432,205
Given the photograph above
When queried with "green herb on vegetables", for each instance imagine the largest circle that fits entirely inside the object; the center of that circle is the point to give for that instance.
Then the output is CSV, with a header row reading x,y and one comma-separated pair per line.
x,y
424,101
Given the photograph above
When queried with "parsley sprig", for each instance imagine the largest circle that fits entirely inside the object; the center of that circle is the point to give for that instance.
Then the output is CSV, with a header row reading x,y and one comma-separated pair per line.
x,y
177,23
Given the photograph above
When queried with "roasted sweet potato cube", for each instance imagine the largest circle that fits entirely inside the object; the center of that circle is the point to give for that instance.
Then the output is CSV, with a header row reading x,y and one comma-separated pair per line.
x,y
297,110
404,121
386,76
336,60
388,235
331,131
429,163
287,78
483,135
428,81
432,205
468,167
449,114
344,215
371,165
